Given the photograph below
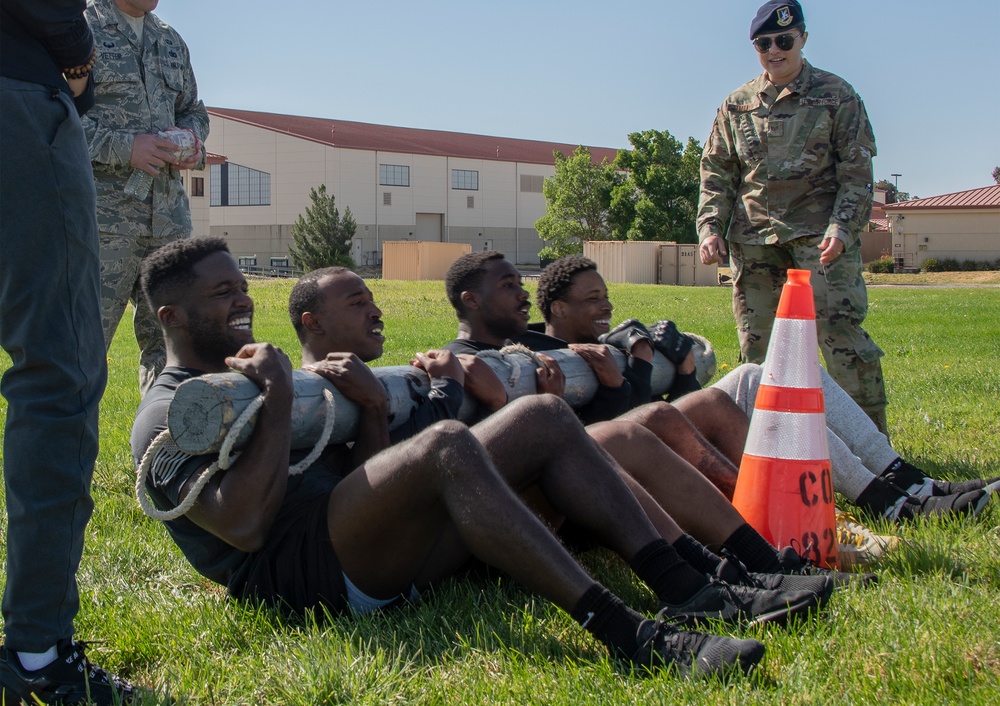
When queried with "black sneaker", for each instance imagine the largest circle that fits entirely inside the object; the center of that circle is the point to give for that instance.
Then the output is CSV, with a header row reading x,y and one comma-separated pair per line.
x,y
943,487
734,603
70,679
970,503
904,477
662,645
794,564
732,571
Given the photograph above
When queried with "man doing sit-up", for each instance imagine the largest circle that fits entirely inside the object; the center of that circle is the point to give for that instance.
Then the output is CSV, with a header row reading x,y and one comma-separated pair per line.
x,y
411,514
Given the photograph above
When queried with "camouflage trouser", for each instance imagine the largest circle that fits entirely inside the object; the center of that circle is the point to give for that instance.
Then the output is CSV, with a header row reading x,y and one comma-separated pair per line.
x,y
852,357
121,256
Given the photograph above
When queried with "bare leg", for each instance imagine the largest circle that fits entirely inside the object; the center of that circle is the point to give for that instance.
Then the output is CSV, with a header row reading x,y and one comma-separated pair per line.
x,y
539,440
676,431
719,419
389,517
684,493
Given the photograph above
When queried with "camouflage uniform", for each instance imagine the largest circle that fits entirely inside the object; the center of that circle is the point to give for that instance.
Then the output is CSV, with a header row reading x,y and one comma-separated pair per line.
x,y
780,172
141,88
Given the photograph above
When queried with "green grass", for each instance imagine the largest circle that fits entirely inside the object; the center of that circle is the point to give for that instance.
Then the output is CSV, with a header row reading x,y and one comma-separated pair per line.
x,y
929,633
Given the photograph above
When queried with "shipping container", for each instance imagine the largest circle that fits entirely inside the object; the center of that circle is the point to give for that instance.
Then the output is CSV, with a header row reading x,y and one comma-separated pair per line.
x,y
419,260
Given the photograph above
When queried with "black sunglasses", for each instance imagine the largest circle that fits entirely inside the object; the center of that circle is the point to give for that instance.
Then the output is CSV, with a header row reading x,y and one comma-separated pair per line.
x,y
784,42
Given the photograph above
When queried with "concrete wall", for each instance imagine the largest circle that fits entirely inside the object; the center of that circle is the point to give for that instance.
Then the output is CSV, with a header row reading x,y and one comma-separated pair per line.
x,y
262,242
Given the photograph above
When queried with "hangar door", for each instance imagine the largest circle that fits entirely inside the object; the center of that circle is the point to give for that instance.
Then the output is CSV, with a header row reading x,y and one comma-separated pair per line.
x,y
429,228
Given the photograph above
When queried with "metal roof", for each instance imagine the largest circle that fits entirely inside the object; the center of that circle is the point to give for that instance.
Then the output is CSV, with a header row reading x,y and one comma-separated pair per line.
x,y
984,197
405,140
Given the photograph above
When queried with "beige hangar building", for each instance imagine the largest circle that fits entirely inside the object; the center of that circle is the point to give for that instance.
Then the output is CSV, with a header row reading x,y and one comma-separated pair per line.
x,y
964,225
400,184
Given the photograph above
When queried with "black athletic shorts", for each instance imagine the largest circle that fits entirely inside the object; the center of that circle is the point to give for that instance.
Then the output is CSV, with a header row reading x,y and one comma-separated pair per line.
x,y
297,570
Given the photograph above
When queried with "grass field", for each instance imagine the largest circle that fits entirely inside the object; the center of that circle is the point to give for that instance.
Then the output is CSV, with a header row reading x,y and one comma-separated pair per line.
x,y
929,633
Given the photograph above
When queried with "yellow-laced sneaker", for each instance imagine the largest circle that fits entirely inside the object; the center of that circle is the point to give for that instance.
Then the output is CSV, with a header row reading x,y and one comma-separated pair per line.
x,y
858,545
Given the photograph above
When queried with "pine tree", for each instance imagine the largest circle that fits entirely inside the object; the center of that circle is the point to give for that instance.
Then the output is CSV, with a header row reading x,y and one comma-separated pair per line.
x,y
323,238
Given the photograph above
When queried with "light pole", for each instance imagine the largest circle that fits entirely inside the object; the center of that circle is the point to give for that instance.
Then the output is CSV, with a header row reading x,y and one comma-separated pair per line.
x,y
896,177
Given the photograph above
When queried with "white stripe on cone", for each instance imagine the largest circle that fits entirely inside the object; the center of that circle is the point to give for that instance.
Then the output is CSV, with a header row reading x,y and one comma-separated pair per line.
x,y
792,366
788,435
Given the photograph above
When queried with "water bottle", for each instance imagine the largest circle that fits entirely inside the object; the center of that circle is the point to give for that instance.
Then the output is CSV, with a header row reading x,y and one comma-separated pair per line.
x,y
138,185
139,182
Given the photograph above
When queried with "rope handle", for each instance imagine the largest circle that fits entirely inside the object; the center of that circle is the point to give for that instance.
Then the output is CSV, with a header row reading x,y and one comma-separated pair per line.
x,y
224,461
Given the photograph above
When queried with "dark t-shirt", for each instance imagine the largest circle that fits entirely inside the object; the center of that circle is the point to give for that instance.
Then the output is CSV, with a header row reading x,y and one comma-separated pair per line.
x,y
296,566
443,401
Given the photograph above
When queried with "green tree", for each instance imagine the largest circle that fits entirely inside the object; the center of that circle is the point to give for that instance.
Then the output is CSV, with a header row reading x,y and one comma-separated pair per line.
x,y
323,237
578,201
663,186
996,174
892,195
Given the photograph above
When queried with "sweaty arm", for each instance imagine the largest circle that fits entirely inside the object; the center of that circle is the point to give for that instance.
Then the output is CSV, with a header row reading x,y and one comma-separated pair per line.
x,y
239,505
444,398
482,383
355,381
614,393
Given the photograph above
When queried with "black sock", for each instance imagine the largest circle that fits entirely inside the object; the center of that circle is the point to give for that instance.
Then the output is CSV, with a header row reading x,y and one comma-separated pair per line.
x,y
606,617
878,496
696,554
753,550
661,568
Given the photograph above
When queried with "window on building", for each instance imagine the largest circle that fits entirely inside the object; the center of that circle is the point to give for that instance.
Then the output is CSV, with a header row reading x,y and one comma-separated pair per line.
x,y
393,175
531,183
197,186
465,179
235,185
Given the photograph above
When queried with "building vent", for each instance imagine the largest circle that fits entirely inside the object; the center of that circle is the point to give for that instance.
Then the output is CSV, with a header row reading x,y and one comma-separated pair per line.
x,y
387,198
470,201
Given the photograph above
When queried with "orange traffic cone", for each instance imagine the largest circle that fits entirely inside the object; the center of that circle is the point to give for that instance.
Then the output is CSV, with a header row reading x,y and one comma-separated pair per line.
x,y
785,487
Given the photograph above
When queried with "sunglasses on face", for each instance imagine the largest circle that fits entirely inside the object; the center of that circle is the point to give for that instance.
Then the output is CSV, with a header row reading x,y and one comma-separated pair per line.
x,y
783,41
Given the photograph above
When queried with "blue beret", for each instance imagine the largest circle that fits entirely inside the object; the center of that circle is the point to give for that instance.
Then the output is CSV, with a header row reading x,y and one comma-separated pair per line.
x,y
775,16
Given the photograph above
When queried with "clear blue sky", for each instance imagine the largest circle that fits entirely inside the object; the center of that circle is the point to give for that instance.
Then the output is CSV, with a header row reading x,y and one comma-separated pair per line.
x,y
592,71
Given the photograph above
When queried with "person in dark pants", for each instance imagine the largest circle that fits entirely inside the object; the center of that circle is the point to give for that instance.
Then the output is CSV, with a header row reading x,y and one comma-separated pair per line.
x,y
50,325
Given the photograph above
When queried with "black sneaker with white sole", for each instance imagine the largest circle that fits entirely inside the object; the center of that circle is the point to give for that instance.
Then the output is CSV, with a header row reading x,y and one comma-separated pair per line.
x,y
954,487
970,503
793,564
663,646
70,679
732,571
747,605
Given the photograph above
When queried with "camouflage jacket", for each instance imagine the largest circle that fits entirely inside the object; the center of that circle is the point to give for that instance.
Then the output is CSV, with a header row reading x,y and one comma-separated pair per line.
x,y
780,166
139,90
